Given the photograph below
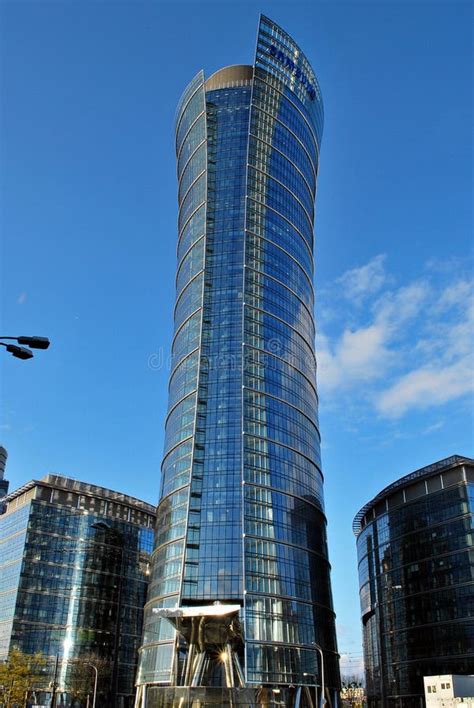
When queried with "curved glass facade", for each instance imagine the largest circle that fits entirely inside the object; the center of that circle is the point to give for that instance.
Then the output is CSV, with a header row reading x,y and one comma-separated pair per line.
x,y
416,575
241,517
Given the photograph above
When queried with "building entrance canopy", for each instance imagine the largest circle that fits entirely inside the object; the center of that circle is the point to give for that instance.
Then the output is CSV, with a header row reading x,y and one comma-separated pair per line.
x,y
211,625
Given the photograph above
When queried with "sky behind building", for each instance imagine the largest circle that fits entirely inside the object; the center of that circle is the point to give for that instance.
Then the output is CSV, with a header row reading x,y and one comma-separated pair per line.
x,y
89,207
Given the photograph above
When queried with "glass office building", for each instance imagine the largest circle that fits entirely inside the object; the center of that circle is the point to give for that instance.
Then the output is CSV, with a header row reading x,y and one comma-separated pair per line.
x,y
241,521
416,575
74,568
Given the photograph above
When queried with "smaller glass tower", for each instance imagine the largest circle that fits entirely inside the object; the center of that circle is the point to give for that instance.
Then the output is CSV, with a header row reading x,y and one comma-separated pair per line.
x,y
416,575
73,576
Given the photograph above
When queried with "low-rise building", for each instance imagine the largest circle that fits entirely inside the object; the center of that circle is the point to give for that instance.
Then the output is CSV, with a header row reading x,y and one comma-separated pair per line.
x,y
448,691
73,578
352,694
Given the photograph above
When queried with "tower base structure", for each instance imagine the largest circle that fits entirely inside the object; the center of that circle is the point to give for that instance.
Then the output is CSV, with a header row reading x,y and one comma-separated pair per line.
x,y
205,697
210,640
208,668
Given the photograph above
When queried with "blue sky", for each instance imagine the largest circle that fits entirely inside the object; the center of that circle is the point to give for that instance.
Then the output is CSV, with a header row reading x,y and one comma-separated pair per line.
x,y
88,222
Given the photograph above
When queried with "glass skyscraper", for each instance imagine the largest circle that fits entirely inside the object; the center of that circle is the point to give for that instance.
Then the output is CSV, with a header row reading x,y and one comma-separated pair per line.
x,y
416,573
241,528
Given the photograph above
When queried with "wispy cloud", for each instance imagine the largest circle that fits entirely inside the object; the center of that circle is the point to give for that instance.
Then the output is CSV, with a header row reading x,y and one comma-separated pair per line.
x,y
459,293
359,283
351,659
397,307
352,666
22,298
433,428
426,387
409,348
364,354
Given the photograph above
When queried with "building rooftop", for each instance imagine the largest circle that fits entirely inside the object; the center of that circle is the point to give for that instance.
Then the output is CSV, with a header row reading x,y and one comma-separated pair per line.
x,y
74,485
407,480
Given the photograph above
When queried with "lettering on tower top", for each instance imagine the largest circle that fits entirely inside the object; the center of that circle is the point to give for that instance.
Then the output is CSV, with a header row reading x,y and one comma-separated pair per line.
x,y
289,64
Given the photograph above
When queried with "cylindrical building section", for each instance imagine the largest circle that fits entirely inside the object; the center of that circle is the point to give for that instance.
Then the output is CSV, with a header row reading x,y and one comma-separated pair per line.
x,y
157,659
241,519
288,604
415,553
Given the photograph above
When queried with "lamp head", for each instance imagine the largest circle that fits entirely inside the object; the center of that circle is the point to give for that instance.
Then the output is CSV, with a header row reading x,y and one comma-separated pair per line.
x,y
34,342
19,352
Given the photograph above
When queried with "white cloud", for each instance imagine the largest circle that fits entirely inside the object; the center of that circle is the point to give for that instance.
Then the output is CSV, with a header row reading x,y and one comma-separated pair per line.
x,y
445,265
359,355
413,351
426,387
358,283
363,354
395,308
457,294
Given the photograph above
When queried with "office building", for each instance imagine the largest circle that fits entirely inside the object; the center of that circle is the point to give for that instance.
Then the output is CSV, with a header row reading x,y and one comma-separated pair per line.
x,y
416,558
240,589
74,561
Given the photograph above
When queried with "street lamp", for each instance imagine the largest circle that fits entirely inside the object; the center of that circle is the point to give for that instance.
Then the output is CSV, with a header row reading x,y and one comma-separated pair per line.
x,y
96,671
323,699
23,352
54,685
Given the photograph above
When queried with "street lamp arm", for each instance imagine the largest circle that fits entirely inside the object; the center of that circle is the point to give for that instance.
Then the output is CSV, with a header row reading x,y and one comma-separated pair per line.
x,y
33,342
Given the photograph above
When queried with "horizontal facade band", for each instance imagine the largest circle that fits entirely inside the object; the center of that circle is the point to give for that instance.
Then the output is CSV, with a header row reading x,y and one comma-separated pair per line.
x,y
292,598
280,542
311,192
290,192
285,361
283,285
415,532
262,205
273,88
277,442
309,343
183,141
280,400
287,254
